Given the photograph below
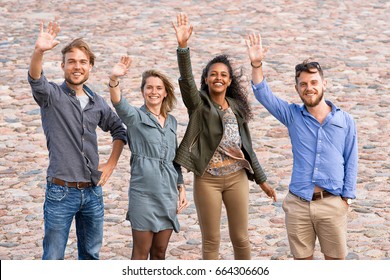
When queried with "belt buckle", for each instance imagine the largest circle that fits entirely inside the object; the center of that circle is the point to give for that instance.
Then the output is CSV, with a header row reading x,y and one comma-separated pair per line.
x,y
302,199
78,186
318,195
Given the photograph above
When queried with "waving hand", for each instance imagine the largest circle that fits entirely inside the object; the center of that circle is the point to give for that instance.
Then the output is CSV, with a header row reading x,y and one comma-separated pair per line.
x,y
256,54
256,51
120,69
182,29
47,39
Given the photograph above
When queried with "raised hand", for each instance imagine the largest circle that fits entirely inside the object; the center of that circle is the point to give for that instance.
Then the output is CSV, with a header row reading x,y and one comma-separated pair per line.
x,y
46,39
183,31
120,69
256,51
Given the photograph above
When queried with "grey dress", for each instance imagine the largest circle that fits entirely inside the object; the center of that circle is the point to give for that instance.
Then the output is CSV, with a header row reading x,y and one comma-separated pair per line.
x,y
153,191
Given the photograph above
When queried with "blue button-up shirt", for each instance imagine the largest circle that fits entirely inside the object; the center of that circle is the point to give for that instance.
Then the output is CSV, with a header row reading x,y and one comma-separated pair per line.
x,y
325,155
71,131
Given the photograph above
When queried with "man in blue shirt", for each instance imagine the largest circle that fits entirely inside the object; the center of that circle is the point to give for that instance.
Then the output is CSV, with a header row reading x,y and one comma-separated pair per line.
x,y
325,154
70,114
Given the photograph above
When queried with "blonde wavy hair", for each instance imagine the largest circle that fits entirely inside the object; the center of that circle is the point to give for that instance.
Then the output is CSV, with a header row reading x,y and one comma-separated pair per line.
x,y
170,100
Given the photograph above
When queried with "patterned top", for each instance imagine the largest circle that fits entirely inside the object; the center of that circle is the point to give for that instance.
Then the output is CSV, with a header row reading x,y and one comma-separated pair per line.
x,y
228,158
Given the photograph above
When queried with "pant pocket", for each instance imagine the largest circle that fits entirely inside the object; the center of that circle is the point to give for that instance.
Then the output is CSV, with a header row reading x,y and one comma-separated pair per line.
x,y
284,204
55,192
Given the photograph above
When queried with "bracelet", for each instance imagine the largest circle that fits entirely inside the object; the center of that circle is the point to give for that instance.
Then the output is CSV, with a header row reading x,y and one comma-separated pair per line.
x,y
113,86
261,63
181,186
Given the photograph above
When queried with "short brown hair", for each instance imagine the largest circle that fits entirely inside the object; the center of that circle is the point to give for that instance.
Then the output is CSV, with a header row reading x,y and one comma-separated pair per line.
x,y
170,100
308,67
80,44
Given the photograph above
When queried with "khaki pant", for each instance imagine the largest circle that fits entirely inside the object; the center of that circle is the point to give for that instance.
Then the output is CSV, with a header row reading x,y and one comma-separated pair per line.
x,y
209,193
324,218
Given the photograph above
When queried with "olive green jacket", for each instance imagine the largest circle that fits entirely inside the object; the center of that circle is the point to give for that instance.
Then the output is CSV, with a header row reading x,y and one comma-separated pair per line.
x,y
205,128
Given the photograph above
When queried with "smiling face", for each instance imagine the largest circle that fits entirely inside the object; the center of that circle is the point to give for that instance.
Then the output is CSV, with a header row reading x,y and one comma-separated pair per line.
x,y
76,67
218,78
154,91
311,88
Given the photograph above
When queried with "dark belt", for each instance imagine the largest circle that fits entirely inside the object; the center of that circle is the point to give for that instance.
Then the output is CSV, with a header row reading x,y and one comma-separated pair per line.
x,y
316,196
79,185
321,195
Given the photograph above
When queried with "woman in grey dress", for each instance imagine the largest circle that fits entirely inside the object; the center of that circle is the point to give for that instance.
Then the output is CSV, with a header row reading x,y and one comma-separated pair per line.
x,y
156,192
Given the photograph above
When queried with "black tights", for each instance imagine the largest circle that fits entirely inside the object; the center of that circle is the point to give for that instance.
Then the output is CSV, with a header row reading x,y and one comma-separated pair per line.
x,y
149,244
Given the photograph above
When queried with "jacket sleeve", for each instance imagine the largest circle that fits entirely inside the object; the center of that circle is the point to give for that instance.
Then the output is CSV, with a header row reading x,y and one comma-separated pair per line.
x,y
188,89
259,175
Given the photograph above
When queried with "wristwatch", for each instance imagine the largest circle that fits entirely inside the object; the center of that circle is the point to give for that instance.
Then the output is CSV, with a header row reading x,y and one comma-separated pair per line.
x,y
347,200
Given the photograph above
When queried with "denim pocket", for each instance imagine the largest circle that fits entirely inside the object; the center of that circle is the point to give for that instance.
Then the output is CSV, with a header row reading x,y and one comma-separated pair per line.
x,y
97,190
56,192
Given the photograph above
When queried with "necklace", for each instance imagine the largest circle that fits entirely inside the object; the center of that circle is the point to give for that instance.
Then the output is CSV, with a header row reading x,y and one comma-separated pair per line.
x,y
157,115
224,106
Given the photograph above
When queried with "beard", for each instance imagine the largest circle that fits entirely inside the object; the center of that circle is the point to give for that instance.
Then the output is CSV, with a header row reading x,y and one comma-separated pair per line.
x,y
315,102
71,82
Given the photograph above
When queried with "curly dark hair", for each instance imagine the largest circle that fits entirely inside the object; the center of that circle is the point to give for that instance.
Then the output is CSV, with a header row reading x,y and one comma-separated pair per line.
x,y
236,90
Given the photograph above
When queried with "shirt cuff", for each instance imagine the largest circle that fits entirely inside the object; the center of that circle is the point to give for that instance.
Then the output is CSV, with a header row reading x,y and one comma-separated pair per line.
x,y
259,85
348,195
32,80
183,50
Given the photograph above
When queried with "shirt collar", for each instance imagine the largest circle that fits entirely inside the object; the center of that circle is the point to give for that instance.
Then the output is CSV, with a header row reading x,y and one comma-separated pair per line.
x,y
143,108
334,107
70,91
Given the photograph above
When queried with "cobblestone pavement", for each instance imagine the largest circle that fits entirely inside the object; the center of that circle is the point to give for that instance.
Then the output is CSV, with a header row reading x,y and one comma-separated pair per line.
x,y
349,38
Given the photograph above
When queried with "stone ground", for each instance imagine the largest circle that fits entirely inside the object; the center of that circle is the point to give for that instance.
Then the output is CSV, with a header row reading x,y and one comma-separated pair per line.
x,y
349,38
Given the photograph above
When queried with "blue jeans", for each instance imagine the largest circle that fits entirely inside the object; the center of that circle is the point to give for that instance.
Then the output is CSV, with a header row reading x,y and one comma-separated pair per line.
x,y
61,205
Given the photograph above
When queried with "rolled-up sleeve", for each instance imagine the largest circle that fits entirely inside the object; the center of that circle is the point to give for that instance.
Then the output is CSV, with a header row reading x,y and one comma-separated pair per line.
x,y
111,122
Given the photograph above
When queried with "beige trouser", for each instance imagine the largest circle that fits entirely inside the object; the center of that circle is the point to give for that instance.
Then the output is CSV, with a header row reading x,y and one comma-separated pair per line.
x,y
324,218
209,193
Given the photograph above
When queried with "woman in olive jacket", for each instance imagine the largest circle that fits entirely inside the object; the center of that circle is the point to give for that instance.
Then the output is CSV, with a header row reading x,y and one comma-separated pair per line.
x,y
217,148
